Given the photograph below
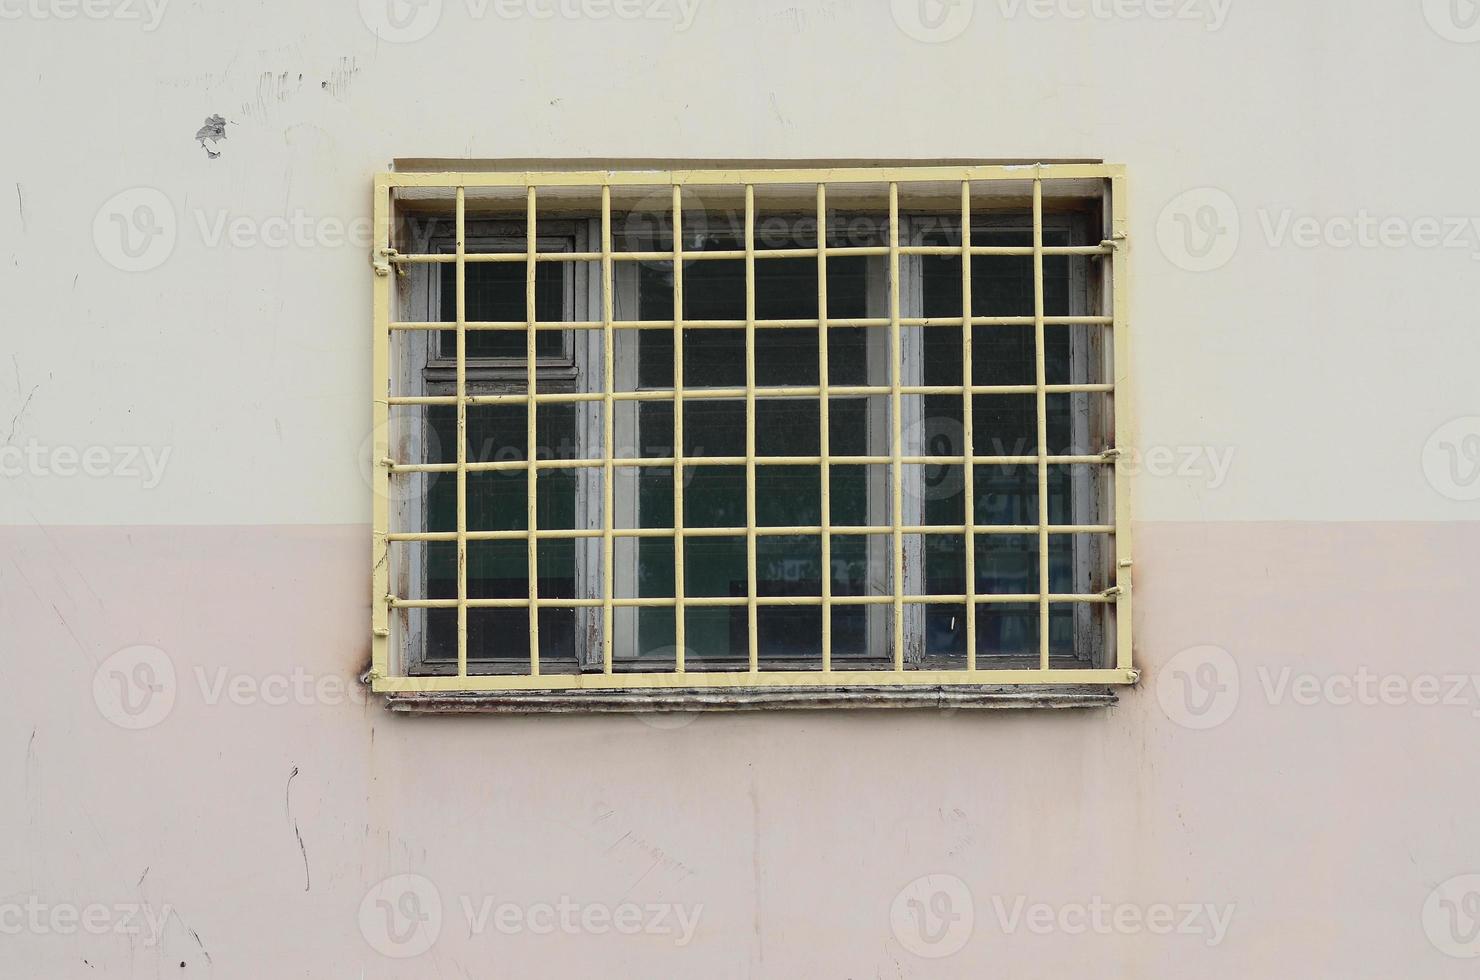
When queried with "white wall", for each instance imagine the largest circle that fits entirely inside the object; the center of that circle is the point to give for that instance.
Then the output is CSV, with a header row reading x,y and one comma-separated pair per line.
x,y
1339,542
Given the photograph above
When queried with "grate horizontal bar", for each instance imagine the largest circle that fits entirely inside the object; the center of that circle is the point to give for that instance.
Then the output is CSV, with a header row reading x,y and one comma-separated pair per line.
x,y
735,255
656,602
802,530
740,176
697,394
779,324
520,465
761,678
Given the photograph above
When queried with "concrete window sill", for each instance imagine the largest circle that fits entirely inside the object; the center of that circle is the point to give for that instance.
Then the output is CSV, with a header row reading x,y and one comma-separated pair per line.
x,y
751,699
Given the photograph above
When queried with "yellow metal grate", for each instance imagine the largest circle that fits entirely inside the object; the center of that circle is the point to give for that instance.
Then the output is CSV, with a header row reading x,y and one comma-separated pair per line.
x,y
1114,665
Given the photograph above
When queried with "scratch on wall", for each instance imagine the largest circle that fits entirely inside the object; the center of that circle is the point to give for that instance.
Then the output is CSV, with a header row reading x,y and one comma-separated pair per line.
x,y
193,934
338,82
272,89
30,758
15,420
288,807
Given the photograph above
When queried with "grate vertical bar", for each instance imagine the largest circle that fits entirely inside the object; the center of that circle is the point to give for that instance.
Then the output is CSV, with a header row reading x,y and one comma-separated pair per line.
x,y
752,611
1040,359
1121,350
608,441
968,423
462,432
679,637
531,315
824,443
896,437
380,422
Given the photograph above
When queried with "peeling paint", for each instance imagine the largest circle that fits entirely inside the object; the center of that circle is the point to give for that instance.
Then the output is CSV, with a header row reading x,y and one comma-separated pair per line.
x,y
213,132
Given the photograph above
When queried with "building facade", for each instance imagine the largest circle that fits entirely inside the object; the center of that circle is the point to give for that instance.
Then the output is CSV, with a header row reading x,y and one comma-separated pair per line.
x,y
199,782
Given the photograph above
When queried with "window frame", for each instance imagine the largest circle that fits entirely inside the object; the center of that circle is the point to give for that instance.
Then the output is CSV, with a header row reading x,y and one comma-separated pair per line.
x,y
571,372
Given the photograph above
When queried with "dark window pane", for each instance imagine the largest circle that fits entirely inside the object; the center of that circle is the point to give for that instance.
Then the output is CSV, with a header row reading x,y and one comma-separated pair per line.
x,y
785,289
497,501
1004,425
495,291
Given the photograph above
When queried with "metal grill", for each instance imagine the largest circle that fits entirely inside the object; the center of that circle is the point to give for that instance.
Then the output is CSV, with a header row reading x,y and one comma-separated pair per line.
x,y
1112,665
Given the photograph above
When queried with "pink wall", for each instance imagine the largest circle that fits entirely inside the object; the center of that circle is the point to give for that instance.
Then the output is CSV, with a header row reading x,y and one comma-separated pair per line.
x,y
790,841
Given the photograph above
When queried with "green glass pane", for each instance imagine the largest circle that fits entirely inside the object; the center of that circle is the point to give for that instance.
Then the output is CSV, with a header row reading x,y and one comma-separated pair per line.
x,y
1003,425
498,501
495,291
785,288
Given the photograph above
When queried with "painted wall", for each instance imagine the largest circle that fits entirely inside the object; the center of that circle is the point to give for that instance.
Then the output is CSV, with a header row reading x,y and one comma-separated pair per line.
x,y
184,411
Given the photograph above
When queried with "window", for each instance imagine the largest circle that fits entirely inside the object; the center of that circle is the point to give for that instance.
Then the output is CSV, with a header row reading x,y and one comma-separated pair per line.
x,y
731,428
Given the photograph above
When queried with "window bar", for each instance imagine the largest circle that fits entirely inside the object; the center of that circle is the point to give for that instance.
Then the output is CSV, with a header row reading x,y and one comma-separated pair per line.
x,y
951,322
752,611
728,394
462,432
733,255
608,443
678,550
1039,356
824,445
1120,346
530,446
730,177
790,531
662,602
968,435
380,624
896,363
1100,459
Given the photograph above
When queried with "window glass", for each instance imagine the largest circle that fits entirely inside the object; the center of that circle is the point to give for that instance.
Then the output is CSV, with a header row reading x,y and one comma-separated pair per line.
x,y
495,291
1003,425
786,495
496,501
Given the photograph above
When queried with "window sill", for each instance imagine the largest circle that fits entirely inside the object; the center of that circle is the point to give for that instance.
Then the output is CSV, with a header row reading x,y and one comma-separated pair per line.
x,y
752,699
